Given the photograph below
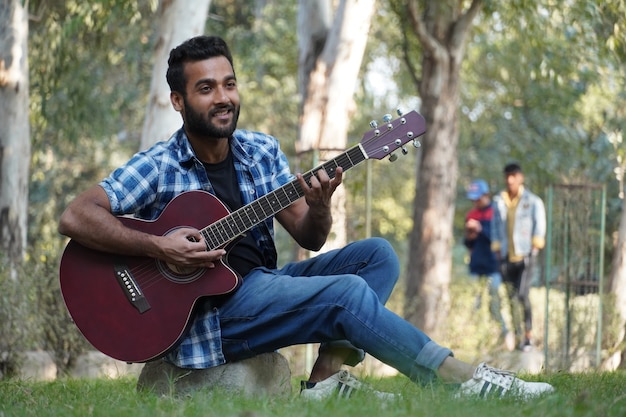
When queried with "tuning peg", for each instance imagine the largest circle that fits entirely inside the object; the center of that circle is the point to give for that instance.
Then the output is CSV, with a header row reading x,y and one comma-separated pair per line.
x,y
404,150
399,112
393,157
373,124
387,119
416,143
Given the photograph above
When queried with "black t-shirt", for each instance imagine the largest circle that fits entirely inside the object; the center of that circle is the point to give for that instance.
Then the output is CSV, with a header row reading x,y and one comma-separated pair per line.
x,y
245,254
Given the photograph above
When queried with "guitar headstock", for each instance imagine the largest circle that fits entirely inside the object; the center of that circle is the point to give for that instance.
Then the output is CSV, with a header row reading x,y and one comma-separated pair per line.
x,y
383,140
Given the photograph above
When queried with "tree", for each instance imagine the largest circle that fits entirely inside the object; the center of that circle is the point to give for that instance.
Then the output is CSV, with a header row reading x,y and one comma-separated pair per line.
x,y
441,29
15,132
617,277
330,60
612,14
161,119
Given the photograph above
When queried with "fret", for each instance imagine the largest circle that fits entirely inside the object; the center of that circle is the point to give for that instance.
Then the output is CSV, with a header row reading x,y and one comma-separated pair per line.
x,y
209,234
330,167
210,243
345,161
237,226
274,202
247,221
264,204
252,215
294,190
282,197
220,232
224,228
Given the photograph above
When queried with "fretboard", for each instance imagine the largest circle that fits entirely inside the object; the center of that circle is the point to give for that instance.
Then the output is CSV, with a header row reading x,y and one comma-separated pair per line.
x,y
228,228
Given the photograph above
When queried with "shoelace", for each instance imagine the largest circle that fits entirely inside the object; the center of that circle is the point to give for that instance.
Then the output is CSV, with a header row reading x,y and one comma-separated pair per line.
x,y
495,376
348,379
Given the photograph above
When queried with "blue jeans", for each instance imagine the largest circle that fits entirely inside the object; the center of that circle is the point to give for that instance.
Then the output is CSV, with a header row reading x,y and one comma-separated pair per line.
x,y
495,307
495,279
336,298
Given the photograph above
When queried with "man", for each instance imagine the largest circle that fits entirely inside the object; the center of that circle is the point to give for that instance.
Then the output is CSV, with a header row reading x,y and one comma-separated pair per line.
x,y
483,262
518,234
335,299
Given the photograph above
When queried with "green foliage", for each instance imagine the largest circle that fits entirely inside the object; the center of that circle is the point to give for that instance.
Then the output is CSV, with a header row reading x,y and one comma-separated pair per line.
x,y
264,48
54,330
14,330
83,108
33,316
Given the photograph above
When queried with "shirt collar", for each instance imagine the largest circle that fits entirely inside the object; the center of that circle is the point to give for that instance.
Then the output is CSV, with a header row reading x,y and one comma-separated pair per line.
x,y
186,155
515,200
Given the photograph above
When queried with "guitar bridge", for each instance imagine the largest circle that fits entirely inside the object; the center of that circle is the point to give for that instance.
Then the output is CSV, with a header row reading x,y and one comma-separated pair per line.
x,y
131,289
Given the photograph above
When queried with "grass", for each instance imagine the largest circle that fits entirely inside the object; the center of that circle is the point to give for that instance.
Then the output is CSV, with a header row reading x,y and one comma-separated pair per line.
x,y
590,394
472,336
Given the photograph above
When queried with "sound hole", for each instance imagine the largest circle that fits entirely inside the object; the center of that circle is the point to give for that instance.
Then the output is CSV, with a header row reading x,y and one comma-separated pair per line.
x,y
180,274
177,273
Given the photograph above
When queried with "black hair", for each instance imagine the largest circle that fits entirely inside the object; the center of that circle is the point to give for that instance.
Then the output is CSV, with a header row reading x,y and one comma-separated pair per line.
x,y
195,49
512,168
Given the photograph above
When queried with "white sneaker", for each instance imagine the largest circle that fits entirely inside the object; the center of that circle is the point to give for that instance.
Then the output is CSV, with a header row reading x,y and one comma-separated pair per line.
x,y
491,382
342,385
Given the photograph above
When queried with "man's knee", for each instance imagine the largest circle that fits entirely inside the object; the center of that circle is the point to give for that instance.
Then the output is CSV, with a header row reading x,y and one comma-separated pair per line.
x,y
385,253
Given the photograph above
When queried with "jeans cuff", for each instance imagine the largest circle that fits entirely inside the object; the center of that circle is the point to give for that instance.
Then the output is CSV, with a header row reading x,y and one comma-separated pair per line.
x,y
432,355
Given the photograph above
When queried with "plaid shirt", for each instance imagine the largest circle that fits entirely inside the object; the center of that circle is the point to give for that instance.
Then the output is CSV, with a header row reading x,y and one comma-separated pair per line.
x,y
152,178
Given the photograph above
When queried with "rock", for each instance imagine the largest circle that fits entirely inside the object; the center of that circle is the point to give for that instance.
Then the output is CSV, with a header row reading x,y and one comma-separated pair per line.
x,y
94,364
265,374
38,366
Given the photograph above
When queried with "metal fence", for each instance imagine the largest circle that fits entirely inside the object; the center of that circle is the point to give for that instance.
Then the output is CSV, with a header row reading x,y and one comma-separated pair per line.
x,y
574,276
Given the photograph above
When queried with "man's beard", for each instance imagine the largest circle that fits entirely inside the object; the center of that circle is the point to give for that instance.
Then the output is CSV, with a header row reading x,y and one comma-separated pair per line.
x,y
198,124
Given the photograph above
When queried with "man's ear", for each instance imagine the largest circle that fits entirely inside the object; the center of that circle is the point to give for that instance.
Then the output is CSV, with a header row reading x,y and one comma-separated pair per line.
x,y
177,101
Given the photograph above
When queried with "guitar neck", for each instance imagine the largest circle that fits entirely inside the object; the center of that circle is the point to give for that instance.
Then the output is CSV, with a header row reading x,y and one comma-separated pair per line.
x,y
228,228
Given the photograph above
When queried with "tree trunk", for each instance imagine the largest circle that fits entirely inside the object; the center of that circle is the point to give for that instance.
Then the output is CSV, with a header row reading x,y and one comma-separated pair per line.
x,y
15,129
177,21
442,31
617,280
330,59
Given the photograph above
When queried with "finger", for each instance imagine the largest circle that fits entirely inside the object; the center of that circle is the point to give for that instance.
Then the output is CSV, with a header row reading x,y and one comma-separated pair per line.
x,y
208,259
338,177
188,233
316,181
311,187
322,176
303,184
216,255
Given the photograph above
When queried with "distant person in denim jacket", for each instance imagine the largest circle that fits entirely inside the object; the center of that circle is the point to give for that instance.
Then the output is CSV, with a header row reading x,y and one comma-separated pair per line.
x,y
483,262
518,234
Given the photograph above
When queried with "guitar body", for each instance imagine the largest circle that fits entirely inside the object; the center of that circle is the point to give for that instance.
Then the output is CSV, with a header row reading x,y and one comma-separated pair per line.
x,y
136,309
